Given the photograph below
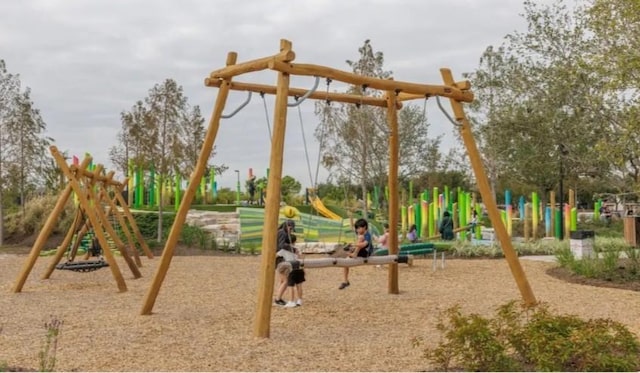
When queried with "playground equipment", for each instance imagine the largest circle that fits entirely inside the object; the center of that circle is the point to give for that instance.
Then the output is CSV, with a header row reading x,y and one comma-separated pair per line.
x,y
91,188
317,204
395,92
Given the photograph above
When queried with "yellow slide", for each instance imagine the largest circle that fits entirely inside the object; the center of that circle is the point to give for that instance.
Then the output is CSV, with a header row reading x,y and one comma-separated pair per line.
x,y
323,210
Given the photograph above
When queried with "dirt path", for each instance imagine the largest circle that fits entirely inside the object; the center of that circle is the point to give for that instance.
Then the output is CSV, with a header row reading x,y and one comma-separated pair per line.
x,y
203,317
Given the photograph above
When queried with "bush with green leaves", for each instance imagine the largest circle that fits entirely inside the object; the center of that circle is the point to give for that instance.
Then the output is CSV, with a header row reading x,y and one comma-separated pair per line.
x,y
612,260
531,339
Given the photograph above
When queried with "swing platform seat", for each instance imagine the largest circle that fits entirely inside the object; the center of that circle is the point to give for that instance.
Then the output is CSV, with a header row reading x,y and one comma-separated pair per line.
x,y
83,266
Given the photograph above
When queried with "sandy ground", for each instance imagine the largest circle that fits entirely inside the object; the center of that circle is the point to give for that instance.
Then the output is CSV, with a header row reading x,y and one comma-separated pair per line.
x,y
203,317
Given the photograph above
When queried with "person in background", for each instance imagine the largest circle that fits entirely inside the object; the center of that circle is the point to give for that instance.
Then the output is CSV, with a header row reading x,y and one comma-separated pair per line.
x,y
383,240
446,227
412,235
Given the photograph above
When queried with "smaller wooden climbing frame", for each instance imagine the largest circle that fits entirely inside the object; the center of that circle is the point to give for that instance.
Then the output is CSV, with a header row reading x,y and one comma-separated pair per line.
x,y
93,191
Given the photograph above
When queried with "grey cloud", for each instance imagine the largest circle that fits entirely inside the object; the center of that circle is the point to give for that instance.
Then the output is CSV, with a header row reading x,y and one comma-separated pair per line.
x,y
86,61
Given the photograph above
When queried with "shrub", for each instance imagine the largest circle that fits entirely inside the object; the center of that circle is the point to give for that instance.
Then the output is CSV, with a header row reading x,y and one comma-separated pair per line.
x,y
531,339
47,354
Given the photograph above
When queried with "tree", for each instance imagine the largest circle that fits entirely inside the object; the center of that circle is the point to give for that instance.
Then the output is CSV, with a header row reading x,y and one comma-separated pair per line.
x,y
9,89
166,104
289,188
615,54
25,128
541,97
354,138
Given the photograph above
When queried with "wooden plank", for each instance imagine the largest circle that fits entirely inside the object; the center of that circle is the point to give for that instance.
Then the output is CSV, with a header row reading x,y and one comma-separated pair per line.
x,y
262,322
487,196
352,262
194,183
451,92
92,175
298,92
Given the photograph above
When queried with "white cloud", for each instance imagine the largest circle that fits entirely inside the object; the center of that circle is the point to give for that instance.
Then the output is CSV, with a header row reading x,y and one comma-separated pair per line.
x,y
86,61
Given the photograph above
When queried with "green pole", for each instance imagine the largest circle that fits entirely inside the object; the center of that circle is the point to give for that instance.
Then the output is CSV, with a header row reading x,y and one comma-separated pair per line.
x,y
176,200
152,187
137,201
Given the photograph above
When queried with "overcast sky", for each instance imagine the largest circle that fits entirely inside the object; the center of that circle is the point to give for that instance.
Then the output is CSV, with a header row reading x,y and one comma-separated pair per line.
x,y
87,61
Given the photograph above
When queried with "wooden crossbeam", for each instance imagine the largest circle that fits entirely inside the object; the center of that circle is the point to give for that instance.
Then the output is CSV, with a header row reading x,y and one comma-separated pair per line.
x,y
420,90
298,92
231,70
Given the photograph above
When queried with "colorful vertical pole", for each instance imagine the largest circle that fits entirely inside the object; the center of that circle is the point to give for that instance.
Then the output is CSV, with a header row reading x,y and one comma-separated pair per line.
x,y
152,187
138,194
462,219
424,214
177,190
548,227
509,211
403,218
203,190
535,211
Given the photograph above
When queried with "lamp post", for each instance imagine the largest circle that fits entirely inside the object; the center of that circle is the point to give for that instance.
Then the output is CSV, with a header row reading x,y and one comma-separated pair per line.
x,y
238,188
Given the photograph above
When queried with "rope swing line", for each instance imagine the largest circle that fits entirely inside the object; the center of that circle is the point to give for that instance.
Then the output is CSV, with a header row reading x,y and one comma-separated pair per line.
x,y
266,114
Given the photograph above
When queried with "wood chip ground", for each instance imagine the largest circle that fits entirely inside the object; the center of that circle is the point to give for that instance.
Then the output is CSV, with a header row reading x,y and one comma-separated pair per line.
x,y
204,314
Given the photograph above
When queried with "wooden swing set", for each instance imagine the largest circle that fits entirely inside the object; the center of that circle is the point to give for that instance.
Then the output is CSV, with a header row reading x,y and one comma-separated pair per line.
x,y
395,92
93,191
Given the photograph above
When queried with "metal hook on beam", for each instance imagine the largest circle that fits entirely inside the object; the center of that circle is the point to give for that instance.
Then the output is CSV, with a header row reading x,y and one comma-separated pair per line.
x,y
245,103
306,95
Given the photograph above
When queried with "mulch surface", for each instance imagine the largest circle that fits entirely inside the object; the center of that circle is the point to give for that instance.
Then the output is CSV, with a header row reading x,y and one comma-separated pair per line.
x,y
204,315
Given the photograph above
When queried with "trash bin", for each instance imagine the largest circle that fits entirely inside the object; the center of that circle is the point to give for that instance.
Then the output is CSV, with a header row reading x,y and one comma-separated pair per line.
x,y
632,230
581,243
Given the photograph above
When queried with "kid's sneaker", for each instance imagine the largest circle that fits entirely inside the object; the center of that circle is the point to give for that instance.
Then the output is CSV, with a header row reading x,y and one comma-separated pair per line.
x,y
279,302
291,304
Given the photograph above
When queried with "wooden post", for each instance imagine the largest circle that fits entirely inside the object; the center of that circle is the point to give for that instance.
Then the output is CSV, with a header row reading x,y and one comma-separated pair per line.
x,y
262,322
77,223
132,222
45,233
102,217
113,210
194,182
92,215
394,207
487,197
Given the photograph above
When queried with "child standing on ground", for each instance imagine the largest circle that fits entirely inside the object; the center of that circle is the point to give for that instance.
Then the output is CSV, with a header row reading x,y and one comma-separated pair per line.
x,y
362,248
295,279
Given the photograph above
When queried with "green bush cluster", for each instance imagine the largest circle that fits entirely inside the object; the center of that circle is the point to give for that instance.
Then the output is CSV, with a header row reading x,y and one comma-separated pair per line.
x,y
464,249
531,339
36,212
615,262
